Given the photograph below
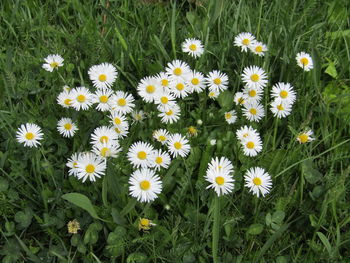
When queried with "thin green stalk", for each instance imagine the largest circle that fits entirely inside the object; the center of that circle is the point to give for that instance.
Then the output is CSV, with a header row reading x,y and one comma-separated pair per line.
x,y
216,230
275,134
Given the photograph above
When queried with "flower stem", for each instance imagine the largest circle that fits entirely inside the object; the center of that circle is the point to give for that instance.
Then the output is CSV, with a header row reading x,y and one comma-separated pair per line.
x,y
275,134
216,229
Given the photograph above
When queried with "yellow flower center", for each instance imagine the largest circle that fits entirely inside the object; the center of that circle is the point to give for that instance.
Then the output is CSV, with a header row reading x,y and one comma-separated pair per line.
x,y
68,126
117,121
105,151
211,94
145,185
67,102
164,100
103,139
75,164
150,89
193,47
142,155
81,98
303,138
162,138
258,49
138,117
177,145
29,136
53,64
195,81
90,168
192,130
180,86
228,116
169,113
217,81
280,107
103,98
165,82
253,111
250,145
245,41
304,61
241,101
144,222
102,78
117,130
284,94
257,181
252,93
159,160
220,180
121,102
177,71
255,77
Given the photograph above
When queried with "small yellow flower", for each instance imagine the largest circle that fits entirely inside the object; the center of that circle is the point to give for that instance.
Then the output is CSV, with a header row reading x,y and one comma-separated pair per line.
x,y
192,131
145,224
73,226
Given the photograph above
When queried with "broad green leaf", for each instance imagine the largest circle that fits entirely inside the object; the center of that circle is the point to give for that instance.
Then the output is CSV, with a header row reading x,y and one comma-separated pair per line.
x,y
82,201
331,70
325,242
255,229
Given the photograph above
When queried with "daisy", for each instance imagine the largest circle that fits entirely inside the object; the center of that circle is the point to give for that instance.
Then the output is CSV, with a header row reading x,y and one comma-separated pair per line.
x,y
163,80
192,131
81,98
305,136
165,100
103,75
72,164
178,70
118,120
53,62
244,40
101,97
246,131
140,153
138,116
258,48
161,135
148,88
284,92
222,165
252,145
196,82
180,88
66,127
240,98
253,111
304,61
170,115
281,109
160,159
90,166
178,145
145,224
107,149
145,185
253,94
230,116
65,99
29,134
122,102
103,134
258,181
121,132
217,81
193,47
254,77
213,94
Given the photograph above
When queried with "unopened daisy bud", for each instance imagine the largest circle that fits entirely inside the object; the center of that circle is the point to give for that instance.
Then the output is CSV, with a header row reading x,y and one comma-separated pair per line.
x,y
212,142
199,122
167,207
73,226
145,224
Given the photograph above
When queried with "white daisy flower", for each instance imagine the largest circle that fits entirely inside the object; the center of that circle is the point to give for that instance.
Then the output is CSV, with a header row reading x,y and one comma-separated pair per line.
x,y
178,145
161,135
213,94
53,62
280,109
240,98
258,181
170,115
284,92
196,82
193,47
103,134
253,94
163,80
103,75
258,48
252,145
90,166
138,116
305,136
139,154
67,127
145,185
222,165
178,70
244,40
165,100
231,117
254,77
180,88
81,98
29,134
304,61
72,164
160,159
253,111
102,97
217,81
120,131
246,131
107,149
118,120
148,88
65,99
122,102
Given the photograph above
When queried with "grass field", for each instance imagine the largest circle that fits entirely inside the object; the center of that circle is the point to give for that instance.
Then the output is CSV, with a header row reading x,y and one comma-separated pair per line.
x,y
305,217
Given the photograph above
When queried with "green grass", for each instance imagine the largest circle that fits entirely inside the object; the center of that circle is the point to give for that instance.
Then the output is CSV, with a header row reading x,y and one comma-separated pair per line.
x,y
304,219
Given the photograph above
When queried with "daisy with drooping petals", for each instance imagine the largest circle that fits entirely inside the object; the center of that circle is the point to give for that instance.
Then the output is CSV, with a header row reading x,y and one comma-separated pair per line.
x,y
163,80
252,145
196,81
161,135
304,61
258,181
254,77
103,134
179,88
193,47
67,127
170,115
122,102
253,94
53,62
217,81
138,116
145,185
280,109
253,111
139,154
101,97
230,116
192,131
103,75
213,94
222,165
178,70
65,99
121,132
81,98
29,134
305,136
258,48
107,149
240,98
90,166
245,132
148,88
244,40
283,92
118,120
160,159
178,145
165,100
72,164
